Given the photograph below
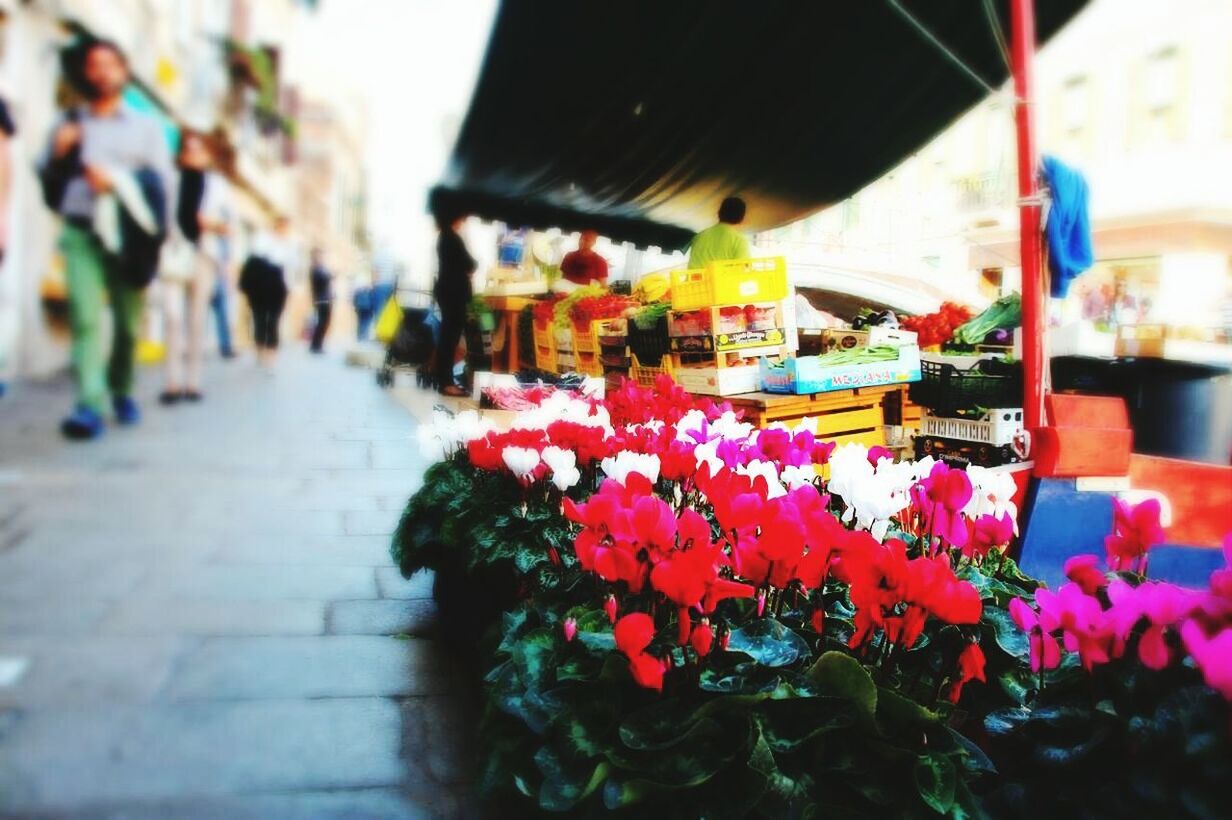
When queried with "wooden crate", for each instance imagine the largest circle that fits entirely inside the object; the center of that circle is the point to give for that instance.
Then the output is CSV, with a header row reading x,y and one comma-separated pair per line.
x,y
842,416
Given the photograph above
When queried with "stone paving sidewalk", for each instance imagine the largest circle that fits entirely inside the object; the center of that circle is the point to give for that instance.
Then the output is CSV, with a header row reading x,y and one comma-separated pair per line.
x,y
199,616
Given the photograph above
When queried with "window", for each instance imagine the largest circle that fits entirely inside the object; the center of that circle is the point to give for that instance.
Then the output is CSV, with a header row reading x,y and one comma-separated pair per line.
x,y
1160,97
1075,105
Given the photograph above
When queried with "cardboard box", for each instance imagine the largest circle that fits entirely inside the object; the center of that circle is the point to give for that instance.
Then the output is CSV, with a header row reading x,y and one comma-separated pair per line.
x,y
806,375
728,341
712,381
836,339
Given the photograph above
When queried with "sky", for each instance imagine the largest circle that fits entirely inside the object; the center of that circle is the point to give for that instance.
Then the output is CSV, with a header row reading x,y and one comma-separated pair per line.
x,y
413,64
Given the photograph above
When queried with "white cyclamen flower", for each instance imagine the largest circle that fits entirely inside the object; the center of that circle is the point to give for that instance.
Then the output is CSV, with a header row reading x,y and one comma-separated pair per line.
x,y
767,471
848,467
619,466
563,464
521,461
793,476
992,493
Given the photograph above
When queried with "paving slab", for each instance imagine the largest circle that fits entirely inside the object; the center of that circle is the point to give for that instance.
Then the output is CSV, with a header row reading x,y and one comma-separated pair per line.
x,y
392,585
72,758
416,617
332,666
211,617
165,596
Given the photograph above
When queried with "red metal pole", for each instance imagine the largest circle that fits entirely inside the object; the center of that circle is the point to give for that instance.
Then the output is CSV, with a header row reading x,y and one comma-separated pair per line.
x,y
1034,294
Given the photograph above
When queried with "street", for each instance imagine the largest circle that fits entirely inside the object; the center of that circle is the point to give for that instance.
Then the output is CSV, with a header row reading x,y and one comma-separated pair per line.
x,y
199,616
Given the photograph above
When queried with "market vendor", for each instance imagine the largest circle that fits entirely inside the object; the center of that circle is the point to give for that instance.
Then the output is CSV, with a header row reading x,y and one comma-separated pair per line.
x,y
723,240
583,266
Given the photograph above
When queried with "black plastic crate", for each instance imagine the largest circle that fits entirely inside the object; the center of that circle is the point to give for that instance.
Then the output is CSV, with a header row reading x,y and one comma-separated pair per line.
x,y
650,346
947,390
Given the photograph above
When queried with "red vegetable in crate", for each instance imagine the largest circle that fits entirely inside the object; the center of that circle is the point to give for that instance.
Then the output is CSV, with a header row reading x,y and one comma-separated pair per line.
x,y
937,328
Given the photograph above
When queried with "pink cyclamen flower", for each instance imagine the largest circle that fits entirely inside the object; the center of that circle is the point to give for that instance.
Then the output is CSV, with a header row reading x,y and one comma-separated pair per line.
x,y
946,492
1085,627
1135,529
570,629
989,531
1212,655
1045,652
1084,571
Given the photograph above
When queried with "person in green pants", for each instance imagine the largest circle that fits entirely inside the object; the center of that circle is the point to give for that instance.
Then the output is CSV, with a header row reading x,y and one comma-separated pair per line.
x,y
94,286
105,136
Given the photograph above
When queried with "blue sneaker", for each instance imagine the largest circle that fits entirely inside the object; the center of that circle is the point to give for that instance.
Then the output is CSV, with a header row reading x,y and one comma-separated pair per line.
x,y
126,410
83,423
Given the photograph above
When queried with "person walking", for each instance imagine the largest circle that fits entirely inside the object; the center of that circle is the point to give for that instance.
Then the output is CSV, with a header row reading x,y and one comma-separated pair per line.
x,y
264,283
321,281
361,300
100,154
192,264
721,241
453,293
7,130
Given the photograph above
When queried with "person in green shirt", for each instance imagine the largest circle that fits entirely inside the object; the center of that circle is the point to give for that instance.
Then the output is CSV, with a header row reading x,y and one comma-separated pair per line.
x,y
721,241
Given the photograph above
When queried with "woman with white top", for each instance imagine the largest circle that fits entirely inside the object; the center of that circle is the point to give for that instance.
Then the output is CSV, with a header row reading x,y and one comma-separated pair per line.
x,y
191,265
263,281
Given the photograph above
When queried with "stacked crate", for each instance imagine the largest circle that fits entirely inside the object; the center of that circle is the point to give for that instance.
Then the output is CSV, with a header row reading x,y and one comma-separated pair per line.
x,y
611,339
723,320
566,360
545,346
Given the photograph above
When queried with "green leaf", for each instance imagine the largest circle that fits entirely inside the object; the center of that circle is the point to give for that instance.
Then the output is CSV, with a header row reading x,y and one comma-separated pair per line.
x,y
659,726
936,779
563,787
1004,722
534,654
903,714
1012,640
789,724
1019,684
843,676
768,642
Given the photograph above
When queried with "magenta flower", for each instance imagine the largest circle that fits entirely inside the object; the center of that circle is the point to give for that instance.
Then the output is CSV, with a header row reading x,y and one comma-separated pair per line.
x,y
989,531
1212,655
1084,570
1135,529
1045,653
1084,626
944,494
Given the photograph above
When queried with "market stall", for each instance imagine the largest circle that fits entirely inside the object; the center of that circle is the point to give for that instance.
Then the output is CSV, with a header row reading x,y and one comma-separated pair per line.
x,y
688,613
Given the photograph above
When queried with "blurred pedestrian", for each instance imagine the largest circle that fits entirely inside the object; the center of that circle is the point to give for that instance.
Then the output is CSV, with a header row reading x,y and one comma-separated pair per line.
x,y
453,293
321,281
365,312
264,283
722,240
7,130
192,266
108,173
584,265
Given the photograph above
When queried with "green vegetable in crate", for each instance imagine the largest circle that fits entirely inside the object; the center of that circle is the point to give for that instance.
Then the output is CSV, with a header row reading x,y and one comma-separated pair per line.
x,y
1003,314
858,355
649,316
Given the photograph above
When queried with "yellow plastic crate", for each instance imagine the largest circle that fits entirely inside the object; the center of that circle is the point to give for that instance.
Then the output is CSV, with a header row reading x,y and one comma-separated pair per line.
x,y
587,363
739,281
545,348
586,336
646,376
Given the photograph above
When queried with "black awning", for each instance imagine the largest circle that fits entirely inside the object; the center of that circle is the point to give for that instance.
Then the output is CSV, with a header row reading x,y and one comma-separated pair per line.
x,y
636,117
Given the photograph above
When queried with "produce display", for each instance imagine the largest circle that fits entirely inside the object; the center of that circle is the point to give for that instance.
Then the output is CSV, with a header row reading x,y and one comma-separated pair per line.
x,y
602,306
937,328
678,617
858,355
1003,316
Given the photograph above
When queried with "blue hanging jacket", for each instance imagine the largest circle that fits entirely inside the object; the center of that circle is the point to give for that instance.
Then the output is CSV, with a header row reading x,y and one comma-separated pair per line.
x,y
1069,225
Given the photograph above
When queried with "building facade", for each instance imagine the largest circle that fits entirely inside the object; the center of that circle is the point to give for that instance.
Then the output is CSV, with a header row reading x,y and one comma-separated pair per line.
x,y
217,66
1138,96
